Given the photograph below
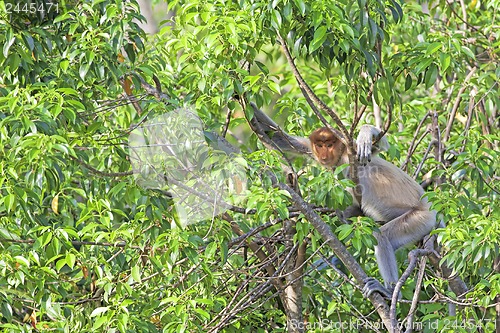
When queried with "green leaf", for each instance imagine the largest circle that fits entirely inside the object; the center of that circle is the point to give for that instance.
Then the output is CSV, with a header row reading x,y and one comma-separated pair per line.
x,y
10,202
445,61
62,17
70,260
274,86
357,243
84,68
224,252
318,40
408,82
6,311
347,29
373,31
136,273
44,239
9,40
301,5
399,10
282,212
262,67
117,189
431,75
70,114
276,19
22,260
468,52
211,249
433,48
98,311
344,231
422,65
369,63
252,79
395,14
363,17
62,148
477,257
203,313
30,41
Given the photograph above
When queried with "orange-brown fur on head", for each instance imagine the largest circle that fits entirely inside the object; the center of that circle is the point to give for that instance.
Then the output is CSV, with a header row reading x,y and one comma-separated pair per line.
x,y
327,148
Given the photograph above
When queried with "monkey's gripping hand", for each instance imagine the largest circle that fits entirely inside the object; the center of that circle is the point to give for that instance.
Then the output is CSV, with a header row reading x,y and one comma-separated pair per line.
x,y
365,146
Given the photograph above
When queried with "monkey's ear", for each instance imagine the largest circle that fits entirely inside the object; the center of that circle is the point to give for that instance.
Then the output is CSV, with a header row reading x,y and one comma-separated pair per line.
x,y
273,137
365,146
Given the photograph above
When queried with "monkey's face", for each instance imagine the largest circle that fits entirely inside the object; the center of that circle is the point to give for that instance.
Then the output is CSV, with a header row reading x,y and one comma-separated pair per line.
x,y
326,147
327,153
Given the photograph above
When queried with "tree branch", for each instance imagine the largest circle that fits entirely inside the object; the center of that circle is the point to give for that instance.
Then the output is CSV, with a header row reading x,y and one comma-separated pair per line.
x,y
314,100
338,248
120,244
414,301
412,257
343,135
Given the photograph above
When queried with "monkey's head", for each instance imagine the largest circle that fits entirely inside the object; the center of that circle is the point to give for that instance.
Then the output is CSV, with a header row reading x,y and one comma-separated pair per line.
x,y
327,148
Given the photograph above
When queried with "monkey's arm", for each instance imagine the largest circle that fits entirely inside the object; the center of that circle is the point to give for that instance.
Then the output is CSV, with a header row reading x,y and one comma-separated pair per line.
x,y
365,146
273,137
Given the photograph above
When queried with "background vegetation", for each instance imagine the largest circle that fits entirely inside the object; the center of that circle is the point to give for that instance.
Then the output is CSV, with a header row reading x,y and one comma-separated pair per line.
x,y
84,248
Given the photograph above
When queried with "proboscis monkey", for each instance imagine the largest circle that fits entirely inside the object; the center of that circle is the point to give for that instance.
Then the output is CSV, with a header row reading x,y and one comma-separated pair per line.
x,y
388,195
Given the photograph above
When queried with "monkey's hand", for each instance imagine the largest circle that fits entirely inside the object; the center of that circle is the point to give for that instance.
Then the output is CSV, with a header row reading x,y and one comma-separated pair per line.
x,y
373,285
364,143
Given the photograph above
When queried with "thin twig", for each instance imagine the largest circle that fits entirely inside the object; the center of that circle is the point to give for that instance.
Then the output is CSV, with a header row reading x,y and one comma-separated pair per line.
x,y
414,301
412,258
469,117
102,173
416,145
454,110
424,158
119,244
343,135
228,121
412,144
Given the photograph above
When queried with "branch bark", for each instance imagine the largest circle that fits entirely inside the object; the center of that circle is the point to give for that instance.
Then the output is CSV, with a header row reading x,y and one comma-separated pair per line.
x,y
339,249
412,258
314,100
414,301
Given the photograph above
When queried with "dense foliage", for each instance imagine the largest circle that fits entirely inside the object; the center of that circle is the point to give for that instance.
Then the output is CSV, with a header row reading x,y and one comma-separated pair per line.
x,y
84,247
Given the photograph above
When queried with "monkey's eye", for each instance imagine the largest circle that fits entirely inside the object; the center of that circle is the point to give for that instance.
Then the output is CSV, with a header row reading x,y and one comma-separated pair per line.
x,y
330,145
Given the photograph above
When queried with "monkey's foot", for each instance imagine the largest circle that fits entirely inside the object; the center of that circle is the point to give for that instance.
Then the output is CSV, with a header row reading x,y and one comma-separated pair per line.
x,y
373,285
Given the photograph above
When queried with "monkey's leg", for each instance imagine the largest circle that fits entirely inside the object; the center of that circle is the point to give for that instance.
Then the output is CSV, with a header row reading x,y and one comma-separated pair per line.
x,y
387,265
386,260
405,229
410,227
